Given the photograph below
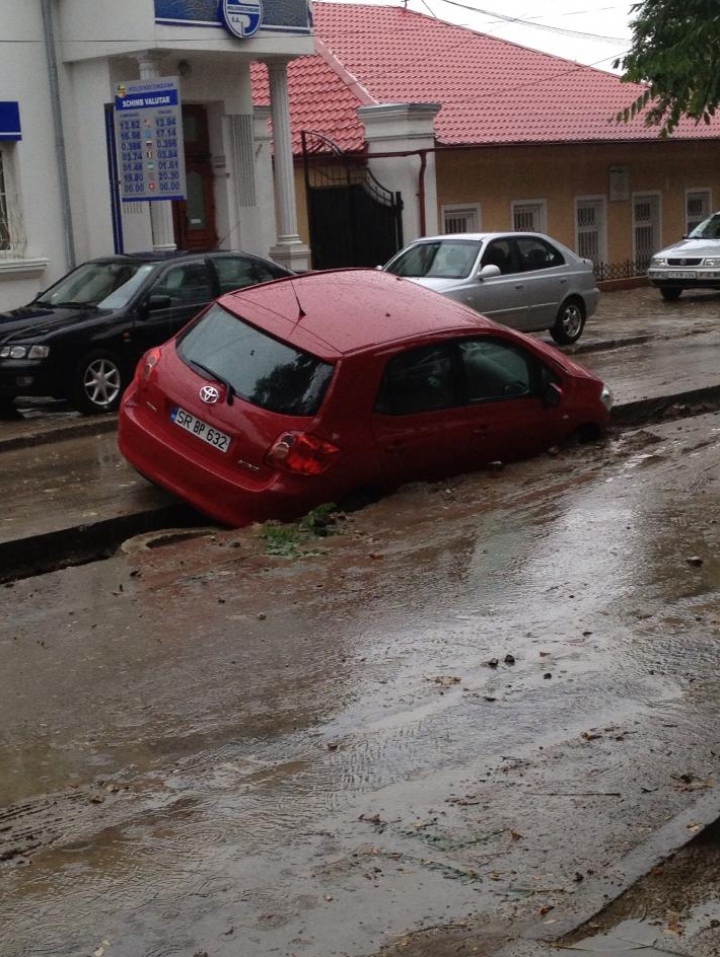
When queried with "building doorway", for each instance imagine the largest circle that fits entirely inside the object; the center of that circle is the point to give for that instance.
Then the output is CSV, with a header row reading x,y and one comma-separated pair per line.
x,y
194,217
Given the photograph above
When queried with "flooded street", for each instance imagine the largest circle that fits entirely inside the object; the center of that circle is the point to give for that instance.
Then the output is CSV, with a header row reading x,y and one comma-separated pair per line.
x,y
462,711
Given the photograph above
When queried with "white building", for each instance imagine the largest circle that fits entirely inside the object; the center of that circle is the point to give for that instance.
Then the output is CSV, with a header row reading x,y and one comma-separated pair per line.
x,y
62,64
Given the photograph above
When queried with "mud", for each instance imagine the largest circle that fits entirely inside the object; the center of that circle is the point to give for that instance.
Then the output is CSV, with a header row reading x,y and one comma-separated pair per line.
x,y
452,714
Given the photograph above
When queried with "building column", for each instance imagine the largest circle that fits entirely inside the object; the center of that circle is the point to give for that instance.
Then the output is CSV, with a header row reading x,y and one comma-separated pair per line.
x,y
161,219
406,127
289,251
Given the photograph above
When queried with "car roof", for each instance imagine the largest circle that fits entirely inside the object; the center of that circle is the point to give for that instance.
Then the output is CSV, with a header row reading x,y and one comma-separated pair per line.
x,y
149,255
475,237
334,313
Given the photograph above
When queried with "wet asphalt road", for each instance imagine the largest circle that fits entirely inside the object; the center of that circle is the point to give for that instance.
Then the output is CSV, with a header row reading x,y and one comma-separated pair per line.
x,y
464,709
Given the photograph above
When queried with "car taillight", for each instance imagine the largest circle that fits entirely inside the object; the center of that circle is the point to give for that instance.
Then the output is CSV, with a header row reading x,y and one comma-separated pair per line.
x,y
145,366
302,453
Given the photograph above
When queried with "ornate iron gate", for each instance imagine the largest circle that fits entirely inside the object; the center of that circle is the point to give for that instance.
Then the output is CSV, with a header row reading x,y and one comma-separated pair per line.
x,y
353,219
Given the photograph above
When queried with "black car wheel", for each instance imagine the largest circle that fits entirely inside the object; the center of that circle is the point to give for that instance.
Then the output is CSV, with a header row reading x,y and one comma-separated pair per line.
x,y
98,383
671,293
7,407
569,323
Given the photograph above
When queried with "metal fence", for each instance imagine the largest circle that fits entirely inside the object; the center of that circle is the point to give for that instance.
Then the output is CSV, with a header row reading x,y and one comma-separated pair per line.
x,y
629,269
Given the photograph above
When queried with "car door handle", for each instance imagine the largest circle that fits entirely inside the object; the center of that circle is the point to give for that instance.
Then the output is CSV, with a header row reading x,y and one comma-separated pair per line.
x,y
563,282
520,286
481,430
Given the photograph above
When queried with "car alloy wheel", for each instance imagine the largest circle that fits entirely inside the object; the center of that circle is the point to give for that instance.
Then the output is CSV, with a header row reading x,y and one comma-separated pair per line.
x,y
569,323
99,383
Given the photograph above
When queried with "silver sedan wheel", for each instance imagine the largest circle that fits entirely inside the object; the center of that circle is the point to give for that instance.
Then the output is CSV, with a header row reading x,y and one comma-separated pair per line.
x,y
569,323
102,382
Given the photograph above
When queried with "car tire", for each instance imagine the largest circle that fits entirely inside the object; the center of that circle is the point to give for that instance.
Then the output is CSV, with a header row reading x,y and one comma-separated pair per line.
x,y
98,383
671,293
569,323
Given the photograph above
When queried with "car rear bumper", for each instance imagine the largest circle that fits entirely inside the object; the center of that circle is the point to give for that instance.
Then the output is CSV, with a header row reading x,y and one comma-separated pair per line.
x,y
234,501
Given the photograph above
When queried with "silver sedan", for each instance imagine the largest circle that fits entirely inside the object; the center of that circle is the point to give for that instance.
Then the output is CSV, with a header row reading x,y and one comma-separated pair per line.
x,y
692,263
523,280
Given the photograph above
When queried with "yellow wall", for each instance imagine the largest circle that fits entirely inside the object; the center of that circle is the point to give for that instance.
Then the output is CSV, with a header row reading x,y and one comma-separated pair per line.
x,y
494,177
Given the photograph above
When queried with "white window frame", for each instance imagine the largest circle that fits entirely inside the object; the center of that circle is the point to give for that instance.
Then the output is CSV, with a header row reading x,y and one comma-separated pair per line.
x,y
13,262
456,210
540,205
658,239
601,201
697,191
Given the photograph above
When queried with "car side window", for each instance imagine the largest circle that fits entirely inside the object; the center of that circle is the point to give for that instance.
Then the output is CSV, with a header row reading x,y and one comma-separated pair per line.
x,y
420,380
500,253
535,254
235,272
184,284
494,369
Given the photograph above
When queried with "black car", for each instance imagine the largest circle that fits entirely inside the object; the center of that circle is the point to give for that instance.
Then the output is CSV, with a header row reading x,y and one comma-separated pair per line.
x,y
81,339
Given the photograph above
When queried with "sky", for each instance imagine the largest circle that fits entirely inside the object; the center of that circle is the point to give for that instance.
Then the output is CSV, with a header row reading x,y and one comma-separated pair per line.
x,y
594,32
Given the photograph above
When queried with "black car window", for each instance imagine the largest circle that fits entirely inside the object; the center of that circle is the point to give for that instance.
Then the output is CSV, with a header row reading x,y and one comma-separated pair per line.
x,y
235,272
420,380
184,284
494,369
266,272
535,253
260,369
501,253
94,282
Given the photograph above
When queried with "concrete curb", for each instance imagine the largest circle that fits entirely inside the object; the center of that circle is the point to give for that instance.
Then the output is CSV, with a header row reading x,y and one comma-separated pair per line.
x,y
68,430
602,891
80,544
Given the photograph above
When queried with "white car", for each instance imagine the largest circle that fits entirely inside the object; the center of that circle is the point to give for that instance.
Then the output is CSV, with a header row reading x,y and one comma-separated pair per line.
x,y
692,263
524,280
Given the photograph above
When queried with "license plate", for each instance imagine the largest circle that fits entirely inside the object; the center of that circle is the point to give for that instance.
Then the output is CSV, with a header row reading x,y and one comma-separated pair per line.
x,y
680,274
200,429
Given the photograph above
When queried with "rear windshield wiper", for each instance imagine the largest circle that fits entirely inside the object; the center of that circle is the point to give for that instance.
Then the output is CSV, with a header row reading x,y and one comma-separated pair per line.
x,y
230,390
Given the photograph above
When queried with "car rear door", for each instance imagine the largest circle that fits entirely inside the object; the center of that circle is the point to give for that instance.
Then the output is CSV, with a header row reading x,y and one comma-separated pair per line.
x,y
502,298
178,294
414,420
546,280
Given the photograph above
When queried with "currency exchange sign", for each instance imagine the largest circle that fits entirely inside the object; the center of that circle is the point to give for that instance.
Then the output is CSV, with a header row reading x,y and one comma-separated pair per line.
x,y
149,139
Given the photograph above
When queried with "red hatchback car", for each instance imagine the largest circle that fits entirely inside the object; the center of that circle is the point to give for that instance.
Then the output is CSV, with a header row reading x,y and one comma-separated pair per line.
x,y
307,390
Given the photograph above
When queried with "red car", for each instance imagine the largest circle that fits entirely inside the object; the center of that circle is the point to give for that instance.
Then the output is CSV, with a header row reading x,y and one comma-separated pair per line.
x,y
307,390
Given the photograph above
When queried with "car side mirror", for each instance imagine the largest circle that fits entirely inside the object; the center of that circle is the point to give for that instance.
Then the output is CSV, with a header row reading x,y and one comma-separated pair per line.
x,y
552,396
487,272
158,302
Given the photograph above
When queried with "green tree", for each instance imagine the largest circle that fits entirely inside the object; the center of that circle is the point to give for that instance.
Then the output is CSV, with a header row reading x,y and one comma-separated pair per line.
x,y
675,52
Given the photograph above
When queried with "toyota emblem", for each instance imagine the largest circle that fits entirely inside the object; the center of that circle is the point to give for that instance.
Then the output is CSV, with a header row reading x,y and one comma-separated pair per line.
x,y
209,394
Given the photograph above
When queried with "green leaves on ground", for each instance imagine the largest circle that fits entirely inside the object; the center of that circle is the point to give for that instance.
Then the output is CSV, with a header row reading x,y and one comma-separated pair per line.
x,y
293,539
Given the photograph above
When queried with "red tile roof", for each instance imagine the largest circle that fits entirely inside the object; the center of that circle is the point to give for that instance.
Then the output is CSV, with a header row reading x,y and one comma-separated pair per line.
x,y
492,91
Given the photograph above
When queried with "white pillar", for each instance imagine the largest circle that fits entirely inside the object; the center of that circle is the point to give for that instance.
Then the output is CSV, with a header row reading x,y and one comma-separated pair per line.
x,y
391,128
289,251
163,231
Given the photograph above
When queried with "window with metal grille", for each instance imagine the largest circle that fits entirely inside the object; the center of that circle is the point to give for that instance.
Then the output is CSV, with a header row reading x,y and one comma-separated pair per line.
x,y
461,219
529,216
590,229
698,203
4,213
646,227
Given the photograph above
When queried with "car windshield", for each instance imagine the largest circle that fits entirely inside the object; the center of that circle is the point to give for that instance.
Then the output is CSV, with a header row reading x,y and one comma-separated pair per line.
x,y
444,259
708,229
258,368
107,285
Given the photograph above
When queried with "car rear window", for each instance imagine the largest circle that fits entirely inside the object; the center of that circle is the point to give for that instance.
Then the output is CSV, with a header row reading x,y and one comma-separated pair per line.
x,y
269,373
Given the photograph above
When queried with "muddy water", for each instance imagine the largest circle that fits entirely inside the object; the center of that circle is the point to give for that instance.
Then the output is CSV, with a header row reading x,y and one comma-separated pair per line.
x,y
476,693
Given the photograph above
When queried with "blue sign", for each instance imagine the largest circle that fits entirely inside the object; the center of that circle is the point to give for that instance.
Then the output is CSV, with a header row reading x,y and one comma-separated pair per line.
x,y
242,17
149,138
10,120
291,17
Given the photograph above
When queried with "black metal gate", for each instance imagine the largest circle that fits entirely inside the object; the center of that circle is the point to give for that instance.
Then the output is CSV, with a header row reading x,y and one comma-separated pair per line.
x,y
353,219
